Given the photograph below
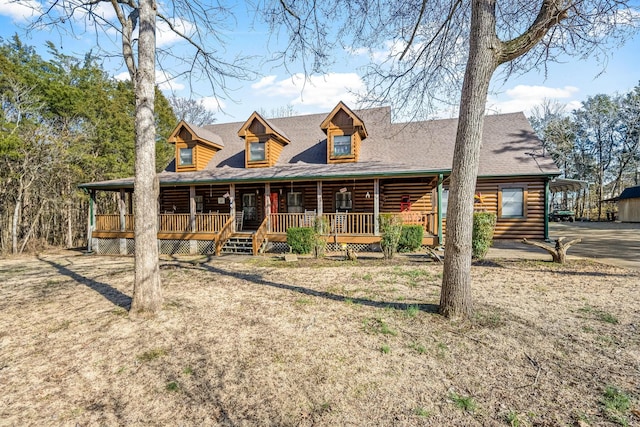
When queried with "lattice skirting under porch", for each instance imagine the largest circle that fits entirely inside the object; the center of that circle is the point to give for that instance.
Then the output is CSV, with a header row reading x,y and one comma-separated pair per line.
x,y
166,247
282,247
114,246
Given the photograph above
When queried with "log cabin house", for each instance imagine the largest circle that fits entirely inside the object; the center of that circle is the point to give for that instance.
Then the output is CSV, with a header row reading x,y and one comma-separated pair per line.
x,y
241,185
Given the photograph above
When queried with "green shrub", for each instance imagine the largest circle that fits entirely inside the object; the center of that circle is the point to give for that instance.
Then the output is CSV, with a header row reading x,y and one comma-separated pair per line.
x,y
410,238
483,225
301,239
391,228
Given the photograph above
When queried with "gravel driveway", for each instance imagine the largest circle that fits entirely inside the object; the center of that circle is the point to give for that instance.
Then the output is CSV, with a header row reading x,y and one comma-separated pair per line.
x,y
611,243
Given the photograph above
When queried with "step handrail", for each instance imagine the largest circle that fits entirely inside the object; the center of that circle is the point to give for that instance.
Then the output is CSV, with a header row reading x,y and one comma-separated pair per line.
x,y
260,235
225,233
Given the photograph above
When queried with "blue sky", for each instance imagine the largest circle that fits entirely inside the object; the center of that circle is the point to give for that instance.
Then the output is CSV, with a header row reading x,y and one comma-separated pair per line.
x,y
569,82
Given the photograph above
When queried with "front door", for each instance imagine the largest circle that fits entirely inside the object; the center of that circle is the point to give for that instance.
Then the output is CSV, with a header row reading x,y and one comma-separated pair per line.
x,y
274,203
249,206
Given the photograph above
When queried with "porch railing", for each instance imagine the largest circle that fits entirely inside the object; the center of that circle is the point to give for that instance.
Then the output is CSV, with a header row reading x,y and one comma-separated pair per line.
x,y
167,223
180,223
211,222
111,222
350,223
338,223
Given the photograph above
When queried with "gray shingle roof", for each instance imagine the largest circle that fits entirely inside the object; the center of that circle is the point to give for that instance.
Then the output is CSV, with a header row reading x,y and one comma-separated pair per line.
x,y
207,135
509,147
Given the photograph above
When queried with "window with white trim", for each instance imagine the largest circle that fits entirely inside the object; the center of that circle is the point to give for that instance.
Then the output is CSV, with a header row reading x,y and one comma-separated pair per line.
x,y
186,156
445,202
512,203
342,145
257,151
343,201
294,202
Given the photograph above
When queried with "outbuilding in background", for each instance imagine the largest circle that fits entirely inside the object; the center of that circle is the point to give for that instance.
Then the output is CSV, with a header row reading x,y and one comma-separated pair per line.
x,y
629,205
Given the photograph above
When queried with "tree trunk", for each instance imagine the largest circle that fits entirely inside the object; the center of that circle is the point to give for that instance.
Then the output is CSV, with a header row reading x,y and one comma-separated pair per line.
x,y
147,297
33,225
14,223
455,297
69,218
558,251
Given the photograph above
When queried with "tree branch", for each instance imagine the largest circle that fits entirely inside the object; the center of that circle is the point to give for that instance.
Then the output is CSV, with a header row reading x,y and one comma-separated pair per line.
x,y
550,14
415,29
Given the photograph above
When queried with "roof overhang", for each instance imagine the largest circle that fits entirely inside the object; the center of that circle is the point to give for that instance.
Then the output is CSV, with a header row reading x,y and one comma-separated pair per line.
x,y
565,184
287,173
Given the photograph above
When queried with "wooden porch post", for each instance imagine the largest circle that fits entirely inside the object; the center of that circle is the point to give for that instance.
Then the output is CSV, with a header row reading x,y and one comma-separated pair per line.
x,y
319,197
91,220
546,209
440,179
267,204
232,204
193,244
122,209
192,208
376,206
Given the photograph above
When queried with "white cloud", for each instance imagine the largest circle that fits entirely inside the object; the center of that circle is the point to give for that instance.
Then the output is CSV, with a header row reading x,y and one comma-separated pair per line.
x,y
264,82
20,11
165,36
212,103
321,92
167,82
524,98
390,49
105,11
122,76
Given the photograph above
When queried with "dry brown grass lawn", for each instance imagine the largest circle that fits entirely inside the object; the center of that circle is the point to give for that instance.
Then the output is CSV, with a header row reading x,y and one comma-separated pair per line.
x,y
263,342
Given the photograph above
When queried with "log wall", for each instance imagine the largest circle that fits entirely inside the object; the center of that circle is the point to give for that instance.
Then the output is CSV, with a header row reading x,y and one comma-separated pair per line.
x,y
419,191
174,200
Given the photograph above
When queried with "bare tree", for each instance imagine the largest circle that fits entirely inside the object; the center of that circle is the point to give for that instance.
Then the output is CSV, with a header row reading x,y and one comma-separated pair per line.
x,y
278,112
191,111
196,24
436,47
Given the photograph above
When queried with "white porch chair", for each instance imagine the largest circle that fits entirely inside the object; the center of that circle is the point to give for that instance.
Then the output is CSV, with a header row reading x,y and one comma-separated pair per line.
x,y
239,220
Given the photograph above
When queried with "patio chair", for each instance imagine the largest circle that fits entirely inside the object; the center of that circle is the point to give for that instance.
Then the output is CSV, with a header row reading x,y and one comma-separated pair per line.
x,y
309,218
339,223
239,220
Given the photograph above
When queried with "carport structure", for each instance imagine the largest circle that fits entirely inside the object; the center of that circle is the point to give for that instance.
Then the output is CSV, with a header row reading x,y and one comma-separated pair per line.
x,y
564,185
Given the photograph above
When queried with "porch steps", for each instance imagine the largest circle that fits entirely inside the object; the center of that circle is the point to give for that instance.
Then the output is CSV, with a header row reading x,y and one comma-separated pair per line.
x,y
239,244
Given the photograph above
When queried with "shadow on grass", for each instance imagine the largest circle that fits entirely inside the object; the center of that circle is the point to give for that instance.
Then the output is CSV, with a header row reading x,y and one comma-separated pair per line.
x,y
110,293
542,266
258,280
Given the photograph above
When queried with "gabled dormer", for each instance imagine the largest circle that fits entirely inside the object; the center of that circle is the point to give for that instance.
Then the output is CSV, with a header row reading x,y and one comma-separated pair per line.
x,y
263,142
195,147
345,131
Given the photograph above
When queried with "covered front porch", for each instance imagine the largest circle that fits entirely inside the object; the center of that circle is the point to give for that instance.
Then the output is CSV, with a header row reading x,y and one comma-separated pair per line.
x,y
202,218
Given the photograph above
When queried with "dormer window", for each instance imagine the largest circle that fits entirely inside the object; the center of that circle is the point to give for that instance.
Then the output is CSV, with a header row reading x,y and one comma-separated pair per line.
x,y
194,147
345,132
263,142
342,145
257,151
186,156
